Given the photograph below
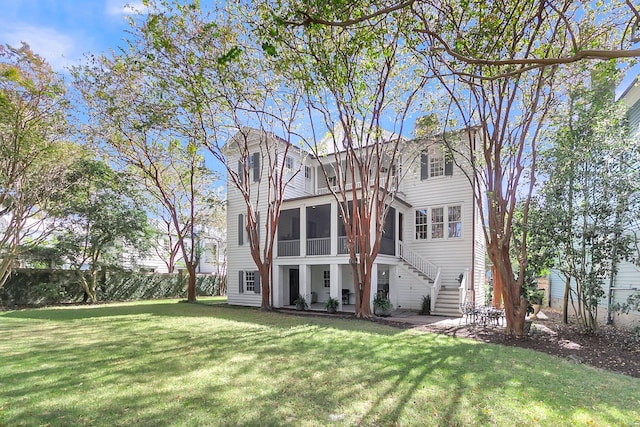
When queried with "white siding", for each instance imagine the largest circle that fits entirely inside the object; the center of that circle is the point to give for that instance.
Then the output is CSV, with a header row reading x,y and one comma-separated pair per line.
x,y
453,255
407,290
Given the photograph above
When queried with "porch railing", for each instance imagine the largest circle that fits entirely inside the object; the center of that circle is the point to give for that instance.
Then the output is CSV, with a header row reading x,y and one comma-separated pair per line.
x,y
319,246
343,248
289,248
326,190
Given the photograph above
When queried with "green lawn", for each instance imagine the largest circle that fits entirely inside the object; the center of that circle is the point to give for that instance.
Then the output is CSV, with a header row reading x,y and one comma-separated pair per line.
x,y
167,363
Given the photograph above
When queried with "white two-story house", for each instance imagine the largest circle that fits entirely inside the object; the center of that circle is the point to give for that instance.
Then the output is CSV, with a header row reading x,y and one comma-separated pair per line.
x,y
432,244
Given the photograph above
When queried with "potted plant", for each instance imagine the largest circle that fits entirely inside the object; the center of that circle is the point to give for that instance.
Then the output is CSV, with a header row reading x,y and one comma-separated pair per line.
x,y
382,306
331,305
301,303
426,305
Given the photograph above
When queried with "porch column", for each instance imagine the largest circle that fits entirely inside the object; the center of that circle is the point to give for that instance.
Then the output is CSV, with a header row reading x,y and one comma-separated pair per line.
x,y
277,286
393,278
303,231
396,242
334,280
334,229
374,284
305,282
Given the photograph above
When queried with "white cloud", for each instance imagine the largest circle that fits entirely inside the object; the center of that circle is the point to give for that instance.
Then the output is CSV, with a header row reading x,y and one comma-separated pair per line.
x,y
60,50
120,7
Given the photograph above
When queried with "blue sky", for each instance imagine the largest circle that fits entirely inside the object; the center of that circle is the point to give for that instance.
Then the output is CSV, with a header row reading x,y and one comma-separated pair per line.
x,y
62,31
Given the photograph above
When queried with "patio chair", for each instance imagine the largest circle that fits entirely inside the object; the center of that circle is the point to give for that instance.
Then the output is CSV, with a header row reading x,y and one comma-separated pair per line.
x,y
469,312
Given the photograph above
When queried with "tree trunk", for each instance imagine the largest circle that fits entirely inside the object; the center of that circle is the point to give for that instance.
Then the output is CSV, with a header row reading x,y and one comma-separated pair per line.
x,y
86,287
191,282
265,287
362,285
497,288
565,300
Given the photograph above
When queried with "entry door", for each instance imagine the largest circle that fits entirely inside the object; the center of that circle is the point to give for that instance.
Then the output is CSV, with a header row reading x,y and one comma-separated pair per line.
x,y
294,285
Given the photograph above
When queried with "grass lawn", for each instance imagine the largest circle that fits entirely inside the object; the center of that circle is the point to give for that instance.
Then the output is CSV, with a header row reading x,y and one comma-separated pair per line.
x,y
167,363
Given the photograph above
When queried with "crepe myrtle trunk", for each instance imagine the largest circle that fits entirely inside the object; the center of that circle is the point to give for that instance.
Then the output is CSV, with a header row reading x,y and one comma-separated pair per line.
x,y
515,306
191,282
265,285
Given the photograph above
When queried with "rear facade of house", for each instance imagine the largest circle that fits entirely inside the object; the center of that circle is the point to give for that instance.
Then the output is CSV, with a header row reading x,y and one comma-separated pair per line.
x,y
432,245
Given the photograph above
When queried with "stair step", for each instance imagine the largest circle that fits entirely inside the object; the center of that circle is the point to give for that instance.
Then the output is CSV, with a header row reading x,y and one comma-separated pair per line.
x,y
446,313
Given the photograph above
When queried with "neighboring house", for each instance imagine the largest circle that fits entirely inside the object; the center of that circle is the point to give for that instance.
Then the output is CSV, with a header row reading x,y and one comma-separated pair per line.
x,y
212,253
627,279
433,241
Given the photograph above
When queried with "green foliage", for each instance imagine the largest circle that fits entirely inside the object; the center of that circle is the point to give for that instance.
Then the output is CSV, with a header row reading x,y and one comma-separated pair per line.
x,y
382,305
593,194
301,302
631,304
35,287
34,155
332,303
425,308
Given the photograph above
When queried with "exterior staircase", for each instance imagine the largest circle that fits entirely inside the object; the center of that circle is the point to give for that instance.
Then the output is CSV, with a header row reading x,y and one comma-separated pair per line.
x,y
417,271
447,303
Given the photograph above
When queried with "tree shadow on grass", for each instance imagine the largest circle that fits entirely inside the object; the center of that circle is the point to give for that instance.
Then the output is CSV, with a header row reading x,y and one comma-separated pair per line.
x,y
262,368
215,310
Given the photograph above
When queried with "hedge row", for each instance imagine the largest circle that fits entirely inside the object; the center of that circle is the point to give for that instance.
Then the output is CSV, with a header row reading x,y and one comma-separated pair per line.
x,y
35,287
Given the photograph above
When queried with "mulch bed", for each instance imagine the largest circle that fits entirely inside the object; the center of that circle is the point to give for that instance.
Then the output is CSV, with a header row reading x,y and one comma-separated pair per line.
x,y
613,349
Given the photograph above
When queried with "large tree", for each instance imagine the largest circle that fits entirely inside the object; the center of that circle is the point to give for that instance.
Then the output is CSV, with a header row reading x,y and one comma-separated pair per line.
x,y
34,155
102,222
356,82
227,101
134,116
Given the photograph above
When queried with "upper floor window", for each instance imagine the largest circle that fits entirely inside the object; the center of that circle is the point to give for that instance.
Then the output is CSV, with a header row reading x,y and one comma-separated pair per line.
x,y
434,163
307,172
435,222
288,163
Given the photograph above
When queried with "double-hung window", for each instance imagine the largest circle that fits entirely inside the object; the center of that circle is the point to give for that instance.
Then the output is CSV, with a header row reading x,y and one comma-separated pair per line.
x,y
436,163
249,281
422,224
454,220
437,223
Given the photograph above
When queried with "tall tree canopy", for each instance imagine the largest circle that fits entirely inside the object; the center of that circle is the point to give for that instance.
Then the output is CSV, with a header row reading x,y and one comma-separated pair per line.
x,y
34,154
360,85
102,222
590,201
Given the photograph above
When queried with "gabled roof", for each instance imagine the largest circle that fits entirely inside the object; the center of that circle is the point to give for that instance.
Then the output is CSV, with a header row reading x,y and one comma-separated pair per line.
x,y
631,94
327,145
